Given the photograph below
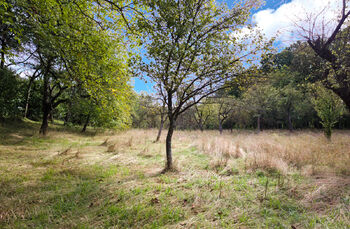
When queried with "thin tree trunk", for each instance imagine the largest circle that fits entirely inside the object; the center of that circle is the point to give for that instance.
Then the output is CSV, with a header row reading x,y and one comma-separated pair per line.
x,y
86,123
2,59
290,124
220,127
68,114
259,123
51,116
29,90
169,159
66,118
2,65
160,127
46,106
201,127
172,120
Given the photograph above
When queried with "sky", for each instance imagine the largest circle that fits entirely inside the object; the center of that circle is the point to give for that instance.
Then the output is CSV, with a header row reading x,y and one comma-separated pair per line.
x,y
277,18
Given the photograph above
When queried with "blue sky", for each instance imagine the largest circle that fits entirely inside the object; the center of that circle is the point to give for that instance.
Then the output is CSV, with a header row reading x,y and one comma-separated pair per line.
x,y
274,18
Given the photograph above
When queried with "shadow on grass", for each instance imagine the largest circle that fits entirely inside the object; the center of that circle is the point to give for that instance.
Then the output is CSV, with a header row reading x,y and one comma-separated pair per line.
x,y
20,131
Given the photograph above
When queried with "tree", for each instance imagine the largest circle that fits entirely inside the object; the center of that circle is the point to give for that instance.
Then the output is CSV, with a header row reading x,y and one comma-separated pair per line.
x,y
259,100
289,93
68,46
225,106
329,108
333,50
201,114
191,52
145,112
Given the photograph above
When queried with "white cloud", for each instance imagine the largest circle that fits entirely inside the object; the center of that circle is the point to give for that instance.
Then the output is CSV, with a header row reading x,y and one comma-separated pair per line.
x,y
281,22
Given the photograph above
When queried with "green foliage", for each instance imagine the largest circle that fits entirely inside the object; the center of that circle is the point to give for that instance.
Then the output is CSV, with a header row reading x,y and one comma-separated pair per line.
x,y
329,108
146,112
67,46
185,43
260,99
10,97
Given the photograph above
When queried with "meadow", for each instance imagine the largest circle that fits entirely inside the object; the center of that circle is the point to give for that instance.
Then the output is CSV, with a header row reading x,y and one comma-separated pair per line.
x,y
114,179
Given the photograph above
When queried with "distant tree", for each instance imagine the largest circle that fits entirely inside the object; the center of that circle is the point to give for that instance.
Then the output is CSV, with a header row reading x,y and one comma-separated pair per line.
x,y
191,53
289,93
202,113
225,106
259,100
329,108
146,112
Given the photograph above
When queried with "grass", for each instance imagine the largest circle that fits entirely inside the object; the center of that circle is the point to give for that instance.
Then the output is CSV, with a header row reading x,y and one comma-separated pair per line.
x,y
274,179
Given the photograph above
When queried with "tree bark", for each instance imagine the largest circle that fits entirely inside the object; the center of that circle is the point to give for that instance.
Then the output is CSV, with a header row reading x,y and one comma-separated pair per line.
x,y
220,127
51,115
46,106
169,159
160,127
290,124
44,124
259,123
344,94
172,120
2,64
86,123
28,97
201,127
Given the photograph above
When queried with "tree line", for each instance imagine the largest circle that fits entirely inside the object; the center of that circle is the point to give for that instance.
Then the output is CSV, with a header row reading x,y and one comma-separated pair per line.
x,y
284,95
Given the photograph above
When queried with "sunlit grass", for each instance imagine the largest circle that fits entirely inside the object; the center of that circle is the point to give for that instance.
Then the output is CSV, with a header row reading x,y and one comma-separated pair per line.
x,y
99,180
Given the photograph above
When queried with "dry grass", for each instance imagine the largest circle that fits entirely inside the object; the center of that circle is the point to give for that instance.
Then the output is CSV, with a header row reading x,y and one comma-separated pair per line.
x,y
307,151
113,179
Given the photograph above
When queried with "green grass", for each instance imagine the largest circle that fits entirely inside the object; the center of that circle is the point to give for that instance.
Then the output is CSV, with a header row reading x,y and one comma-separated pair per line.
x,y
88,187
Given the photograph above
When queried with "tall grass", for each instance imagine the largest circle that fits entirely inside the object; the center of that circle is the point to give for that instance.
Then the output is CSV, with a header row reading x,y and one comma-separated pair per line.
x,y
308,151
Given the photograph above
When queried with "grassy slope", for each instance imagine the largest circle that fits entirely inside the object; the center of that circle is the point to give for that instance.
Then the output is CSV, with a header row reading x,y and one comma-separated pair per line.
x,y
73,180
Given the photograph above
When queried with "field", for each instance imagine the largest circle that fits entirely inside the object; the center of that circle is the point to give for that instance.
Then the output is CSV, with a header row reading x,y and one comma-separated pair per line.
x,y
274,179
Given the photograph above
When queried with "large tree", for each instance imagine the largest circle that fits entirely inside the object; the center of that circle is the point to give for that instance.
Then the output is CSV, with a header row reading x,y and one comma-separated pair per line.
x,y
333,50
193,49
69,45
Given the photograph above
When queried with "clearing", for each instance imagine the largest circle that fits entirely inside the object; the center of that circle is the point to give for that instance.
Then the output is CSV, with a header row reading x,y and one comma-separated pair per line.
x,y
274,179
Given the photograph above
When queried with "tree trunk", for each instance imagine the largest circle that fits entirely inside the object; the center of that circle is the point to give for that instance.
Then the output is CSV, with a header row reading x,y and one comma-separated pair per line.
x,y
259,123
160,127
169,159
344,94
44,124
290,124
66,118
46,106
86,123
68,114
2,64
201,127
28,96
220,127
51,116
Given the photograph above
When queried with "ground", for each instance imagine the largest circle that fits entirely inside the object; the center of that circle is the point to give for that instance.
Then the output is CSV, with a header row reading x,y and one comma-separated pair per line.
x,y
274,179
